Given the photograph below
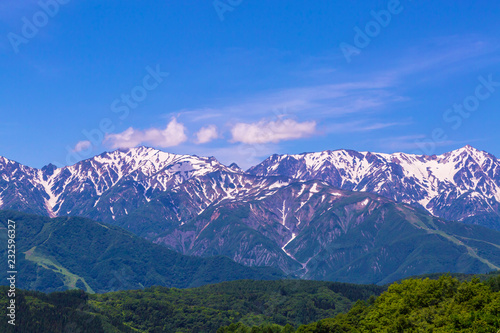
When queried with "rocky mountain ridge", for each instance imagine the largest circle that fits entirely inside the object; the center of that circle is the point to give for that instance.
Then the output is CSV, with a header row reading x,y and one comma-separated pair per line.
x,y
337,215
463,184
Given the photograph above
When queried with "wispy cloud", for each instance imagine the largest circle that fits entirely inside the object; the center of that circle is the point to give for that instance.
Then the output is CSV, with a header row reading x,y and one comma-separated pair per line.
x,y
365,92
172,135
201,114
446,54
330,100
365,125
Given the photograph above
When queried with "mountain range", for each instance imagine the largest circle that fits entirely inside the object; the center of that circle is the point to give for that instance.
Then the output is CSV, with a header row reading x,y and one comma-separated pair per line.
x,y
461,185
337,215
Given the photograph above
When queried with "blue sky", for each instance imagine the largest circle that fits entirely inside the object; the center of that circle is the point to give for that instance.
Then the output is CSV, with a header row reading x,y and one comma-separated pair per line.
x,y
240,80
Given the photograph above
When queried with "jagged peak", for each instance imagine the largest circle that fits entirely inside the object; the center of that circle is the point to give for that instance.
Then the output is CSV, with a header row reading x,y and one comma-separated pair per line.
x,y
234,166
4,160
140,150
49,169
145,151
358,162
469,149
349,152
142,153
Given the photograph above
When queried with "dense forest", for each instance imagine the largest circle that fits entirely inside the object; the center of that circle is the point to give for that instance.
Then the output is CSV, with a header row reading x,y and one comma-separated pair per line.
x,y
438,304
203,309
413,305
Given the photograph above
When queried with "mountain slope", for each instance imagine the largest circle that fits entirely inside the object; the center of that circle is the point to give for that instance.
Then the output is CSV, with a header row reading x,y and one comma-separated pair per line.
x,y
18,190
319,232
460,185
54,254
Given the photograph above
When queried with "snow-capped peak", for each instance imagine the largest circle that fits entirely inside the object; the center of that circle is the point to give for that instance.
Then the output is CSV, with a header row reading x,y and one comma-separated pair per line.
x,y
434,182
466,178
146,169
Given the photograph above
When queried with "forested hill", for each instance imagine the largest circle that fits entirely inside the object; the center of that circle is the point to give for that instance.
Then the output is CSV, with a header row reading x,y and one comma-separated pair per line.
x,y
204,309
444,304
414,305
67,252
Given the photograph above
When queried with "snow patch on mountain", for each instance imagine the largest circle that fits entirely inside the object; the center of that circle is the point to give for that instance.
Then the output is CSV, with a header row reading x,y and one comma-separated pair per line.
x,y
433,182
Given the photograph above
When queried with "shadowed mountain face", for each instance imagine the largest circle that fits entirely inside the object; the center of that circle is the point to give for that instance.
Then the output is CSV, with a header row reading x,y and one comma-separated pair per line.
x,y
340,215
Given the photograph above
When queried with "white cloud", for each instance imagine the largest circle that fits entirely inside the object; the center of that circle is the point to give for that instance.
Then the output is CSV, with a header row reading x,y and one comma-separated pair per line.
x,y
173,135
207,134
82,145
272,131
